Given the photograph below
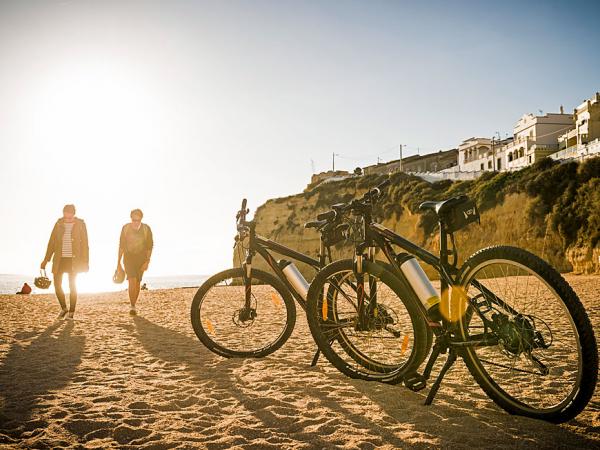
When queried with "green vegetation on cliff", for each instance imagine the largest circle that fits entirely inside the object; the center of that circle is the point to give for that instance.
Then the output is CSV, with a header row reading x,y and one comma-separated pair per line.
x,y
549,208
567,196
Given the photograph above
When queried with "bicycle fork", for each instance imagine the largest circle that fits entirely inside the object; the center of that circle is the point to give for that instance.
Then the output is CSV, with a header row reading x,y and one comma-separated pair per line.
x,y
360,292
247,312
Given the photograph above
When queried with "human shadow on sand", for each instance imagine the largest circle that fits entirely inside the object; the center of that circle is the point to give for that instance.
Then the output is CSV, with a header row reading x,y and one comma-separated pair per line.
x,y
29,374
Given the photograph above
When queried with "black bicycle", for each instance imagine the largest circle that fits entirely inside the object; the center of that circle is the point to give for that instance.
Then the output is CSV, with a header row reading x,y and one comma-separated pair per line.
x,y
512,318
247,312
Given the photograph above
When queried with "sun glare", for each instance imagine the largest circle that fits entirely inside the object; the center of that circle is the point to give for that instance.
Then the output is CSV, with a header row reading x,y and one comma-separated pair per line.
x,y
94,282
92,105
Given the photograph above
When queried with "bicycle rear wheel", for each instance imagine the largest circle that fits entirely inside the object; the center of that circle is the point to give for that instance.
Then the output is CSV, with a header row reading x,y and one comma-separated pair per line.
x,y
393,341
541,359
229,327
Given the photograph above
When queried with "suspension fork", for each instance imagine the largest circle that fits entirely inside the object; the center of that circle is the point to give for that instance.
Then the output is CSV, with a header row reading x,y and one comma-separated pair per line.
x,y
247,266
372,284
360,289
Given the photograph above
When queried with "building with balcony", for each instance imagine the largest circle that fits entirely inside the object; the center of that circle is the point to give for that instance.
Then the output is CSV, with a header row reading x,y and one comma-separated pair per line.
x,y
534,137
586,124
475,155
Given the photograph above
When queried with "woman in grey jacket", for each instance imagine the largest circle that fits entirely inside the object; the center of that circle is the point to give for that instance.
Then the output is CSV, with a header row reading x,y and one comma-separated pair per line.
x,y
69,245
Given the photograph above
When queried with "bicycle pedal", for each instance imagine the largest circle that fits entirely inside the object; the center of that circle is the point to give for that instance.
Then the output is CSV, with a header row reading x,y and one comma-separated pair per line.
x,y
415,382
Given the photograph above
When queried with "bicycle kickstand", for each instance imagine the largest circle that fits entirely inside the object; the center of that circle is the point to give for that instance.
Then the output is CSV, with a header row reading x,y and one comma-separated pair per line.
x,y
438,381
315,358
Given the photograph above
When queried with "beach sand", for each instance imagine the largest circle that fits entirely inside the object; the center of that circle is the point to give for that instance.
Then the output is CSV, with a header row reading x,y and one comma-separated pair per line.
x,y
112,380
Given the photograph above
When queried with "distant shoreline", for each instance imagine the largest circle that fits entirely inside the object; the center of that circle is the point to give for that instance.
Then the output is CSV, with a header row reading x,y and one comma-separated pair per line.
x,y
11,284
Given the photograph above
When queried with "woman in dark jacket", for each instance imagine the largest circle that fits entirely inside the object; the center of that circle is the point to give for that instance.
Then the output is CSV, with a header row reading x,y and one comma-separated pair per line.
x,y
69,245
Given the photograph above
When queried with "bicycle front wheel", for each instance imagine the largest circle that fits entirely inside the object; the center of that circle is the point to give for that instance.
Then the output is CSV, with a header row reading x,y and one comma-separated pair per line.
x,y
537,355
389,341
230,326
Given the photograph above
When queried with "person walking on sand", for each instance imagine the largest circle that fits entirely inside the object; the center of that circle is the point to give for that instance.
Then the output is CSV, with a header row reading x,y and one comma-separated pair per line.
x,y
69,245
135,247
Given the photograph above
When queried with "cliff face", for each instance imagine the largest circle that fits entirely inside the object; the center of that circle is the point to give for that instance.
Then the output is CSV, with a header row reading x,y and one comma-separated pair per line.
x,y
584,259
547,209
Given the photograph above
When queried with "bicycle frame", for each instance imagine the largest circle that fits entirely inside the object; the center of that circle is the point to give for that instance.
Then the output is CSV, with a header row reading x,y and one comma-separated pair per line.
x,y
383,238
261,245
377,235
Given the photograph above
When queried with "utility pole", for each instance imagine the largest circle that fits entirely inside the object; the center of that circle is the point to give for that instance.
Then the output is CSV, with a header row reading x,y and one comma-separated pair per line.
x,y
493,154
499,141
334,155
400,157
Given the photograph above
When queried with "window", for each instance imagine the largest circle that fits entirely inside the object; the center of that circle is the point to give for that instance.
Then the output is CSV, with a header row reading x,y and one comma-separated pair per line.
x,y
510,156
481,166
489,164
499,164
529,159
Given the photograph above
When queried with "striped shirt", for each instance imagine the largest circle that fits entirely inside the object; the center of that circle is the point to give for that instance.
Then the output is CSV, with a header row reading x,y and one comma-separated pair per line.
x,y
67,242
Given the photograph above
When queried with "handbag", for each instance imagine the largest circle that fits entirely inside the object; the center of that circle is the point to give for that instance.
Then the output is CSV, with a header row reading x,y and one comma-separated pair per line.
x,y
119,276
42,282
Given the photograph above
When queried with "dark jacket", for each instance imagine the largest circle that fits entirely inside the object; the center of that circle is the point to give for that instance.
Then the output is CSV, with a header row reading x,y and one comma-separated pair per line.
x,y
81,251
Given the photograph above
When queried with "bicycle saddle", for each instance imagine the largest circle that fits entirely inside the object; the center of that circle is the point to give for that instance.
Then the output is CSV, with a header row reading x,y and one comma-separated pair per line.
x,y
443,206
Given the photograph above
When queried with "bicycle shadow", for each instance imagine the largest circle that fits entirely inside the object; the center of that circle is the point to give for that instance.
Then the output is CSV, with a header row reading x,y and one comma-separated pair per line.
x,y
215,375
461,415
294,403
29,374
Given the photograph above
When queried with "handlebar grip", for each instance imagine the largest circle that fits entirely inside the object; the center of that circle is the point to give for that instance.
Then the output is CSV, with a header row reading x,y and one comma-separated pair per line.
x,y
244,202
329,215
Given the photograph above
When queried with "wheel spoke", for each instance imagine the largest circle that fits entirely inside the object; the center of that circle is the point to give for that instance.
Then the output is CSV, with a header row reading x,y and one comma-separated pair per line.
x,y
517,323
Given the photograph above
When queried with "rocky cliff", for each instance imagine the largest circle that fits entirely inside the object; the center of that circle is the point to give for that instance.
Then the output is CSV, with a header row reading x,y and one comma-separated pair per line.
x,y
550,209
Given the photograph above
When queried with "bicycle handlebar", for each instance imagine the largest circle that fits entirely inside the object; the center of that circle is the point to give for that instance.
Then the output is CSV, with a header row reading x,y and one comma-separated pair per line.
x,y
369,197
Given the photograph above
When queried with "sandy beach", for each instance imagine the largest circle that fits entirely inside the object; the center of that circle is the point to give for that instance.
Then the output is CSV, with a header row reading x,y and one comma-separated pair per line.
x,y
112,380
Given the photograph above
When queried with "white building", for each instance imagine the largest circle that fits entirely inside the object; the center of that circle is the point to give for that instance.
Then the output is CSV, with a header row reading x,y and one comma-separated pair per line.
x,y
481,154
586,124
474,154
535,137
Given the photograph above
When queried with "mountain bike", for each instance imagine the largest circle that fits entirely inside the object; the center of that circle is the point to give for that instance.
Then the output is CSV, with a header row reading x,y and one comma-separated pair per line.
x,y
508,314
247,312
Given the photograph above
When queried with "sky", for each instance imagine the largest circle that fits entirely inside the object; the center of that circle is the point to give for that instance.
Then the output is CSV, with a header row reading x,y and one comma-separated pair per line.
x,y
182,108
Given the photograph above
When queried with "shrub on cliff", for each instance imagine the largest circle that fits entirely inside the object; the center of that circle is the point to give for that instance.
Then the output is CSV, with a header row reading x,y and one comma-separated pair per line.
x,y
566,196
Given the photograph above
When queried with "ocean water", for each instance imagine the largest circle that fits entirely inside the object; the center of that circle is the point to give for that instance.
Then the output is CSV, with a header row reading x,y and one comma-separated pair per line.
x,y
10,284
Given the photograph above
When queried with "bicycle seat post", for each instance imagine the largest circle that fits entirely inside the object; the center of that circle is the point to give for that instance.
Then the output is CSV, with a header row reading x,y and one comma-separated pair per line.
x,y
443,262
